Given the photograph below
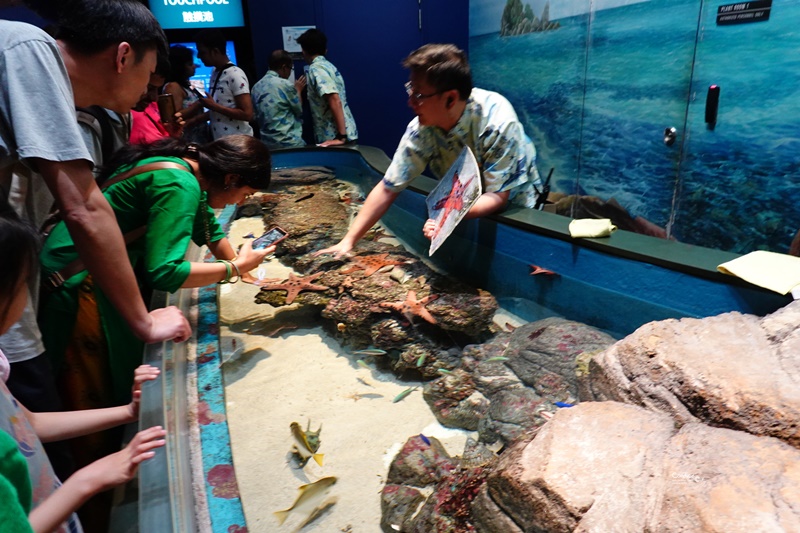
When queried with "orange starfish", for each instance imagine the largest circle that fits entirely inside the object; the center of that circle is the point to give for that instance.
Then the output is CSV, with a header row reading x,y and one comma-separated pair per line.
x,y
295,284
412,307
371,263
347,283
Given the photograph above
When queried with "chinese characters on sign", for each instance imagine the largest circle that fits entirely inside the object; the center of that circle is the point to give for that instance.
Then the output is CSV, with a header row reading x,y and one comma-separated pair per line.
x,y
198,16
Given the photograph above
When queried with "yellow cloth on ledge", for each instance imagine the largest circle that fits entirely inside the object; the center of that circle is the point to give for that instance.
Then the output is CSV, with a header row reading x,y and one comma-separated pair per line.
x,y
771,270
591,227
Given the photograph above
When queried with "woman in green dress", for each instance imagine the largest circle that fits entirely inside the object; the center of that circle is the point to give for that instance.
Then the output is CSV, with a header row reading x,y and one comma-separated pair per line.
x,y
165,200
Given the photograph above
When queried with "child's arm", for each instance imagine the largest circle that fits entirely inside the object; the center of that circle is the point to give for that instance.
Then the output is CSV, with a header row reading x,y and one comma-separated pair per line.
x,y
66,425
110,471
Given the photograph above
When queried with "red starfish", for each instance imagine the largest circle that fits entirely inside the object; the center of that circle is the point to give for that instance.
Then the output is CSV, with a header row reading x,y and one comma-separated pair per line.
x,y
454,201
539,270
295,284
370,263
412,307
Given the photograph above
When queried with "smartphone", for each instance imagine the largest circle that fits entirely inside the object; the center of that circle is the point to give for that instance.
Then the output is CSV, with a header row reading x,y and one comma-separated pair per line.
x,y
166,107
272,236
197,92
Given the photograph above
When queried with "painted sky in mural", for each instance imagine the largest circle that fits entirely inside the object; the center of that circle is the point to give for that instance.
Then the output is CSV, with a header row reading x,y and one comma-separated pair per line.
x,y
484,15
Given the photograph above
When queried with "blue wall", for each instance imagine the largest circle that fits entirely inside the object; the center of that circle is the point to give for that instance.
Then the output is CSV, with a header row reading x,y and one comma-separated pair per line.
x,y
366,41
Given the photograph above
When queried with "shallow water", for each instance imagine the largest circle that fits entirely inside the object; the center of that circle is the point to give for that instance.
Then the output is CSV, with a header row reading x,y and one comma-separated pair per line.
x,y
273,378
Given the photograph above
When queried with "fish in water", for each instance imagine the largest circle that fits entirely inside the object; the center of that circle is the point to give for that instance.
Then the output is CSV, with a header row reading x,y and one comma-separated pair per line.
x,y
312,499
370,351
497,359
421,360
403,394
361,363
563,404
305,447
444,371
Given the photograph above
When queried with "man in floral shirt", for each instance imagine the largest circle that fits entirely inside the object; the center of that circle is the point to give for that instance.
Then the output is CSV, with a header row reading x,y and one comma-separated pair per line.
x,y
279,111
451,114
333,121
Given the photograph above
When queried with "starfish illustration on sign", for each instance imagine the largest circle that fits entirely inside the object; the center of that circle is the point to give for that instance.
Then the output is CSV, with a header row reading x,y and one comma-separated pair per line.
x,y
412,307
371,263
454,201
295,284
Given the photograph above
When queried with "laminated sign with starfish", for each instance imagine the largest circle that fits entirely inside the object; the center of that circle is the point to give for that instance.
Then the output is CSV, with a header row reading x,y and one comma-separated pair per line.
x,y
450,200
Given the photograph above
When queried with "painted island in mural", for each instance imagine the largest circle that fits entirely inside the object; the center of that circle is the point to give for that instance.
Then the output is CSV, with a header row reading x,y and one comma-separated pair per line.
x,y
598,90
518,19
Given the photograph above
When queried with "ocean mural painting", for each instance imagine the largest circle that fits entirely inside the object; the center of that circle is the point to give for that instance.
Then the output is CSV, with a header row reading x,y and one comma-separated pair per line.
x,y
599,85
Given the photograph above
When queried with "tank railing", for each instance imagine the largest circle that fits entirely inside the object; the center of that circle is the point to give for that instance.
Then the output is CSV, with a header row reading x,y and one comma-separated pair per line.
x,y
166,500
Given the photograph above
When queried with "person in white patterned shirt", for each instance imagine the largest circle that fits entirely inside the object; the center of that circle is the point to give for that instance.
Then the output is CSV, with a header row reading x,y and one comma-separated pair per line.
x,y
228,100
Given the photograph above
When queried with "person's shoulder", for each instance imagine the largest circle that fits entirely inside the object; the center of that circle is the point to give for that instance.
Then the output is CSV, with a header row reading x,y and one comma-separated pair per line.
x,y
13,33
493,98
234,70
174,87
177,176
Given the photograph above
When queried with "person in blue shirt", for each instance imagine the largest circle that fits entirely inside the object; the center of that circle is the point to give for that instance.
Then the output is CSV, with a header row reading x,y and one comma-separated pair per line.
x,y
333,121
278,104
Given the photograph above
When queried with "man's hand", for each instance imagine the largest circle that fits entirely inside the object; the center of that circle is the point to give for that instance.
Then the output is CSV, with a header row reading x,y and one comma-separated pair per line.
x,y
429,229
300,84
140,375
332,142
167,324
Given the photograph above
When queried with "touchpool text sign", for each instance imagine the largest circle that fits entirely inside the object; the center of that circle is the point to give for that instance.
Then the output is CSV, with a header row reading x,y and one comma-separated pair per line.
x,y
181,14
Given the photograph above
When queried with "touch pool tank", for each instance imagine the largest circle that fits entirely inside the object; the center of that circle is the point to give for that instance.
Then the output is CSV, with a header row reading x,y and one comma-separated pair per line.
x,y
615,290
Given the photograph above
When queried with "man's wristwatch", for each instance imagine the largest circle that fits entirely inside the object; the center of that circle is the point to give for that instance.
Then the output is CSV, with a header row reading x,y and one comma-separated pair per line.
x,y
340,137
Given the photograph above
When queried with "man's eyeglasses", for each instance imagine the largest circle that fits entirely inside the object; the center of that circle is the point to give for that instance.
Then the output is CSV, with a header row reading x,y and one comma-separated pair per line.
x,y
417,98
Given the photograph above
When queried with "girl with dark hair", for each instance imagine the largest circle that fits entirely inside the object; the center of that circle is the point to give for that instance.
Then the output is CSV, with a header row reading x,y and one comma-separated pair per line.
x,y
182,67
31,497
164,201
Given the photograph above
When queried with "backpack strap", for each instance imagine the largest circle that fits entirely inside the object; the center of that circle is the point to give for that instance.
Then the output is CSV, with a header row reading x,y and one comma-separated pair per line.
x,y
96,117
57,279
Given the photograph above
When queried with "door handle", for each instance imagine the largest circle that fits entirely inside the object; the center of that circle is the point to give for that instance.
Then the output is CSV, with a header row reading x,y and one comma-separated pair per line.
x,y
670,134
712,106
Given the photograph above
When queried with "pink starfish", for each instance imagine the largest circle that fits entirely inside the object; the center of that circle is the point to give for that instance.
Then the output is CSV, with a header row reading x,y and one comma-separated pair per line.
x,y
371,263
536,270
412,307
295,284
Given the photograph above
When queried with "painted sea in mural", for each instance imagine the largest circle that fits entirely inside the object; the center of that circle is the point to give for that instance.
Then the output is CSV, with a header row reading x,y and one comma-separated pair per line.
x,y
597,93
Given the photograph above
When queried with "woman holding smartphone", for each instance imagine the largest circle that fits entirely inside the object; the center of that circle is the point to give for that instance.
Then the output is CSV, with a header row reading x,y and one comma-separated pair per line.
x,y
184,96
163,197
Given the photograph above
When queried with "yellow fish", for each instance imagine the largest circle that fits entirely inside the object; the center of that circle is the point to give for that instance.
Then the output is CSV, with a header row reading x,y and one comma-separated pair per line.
x,y
312,499
302,446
